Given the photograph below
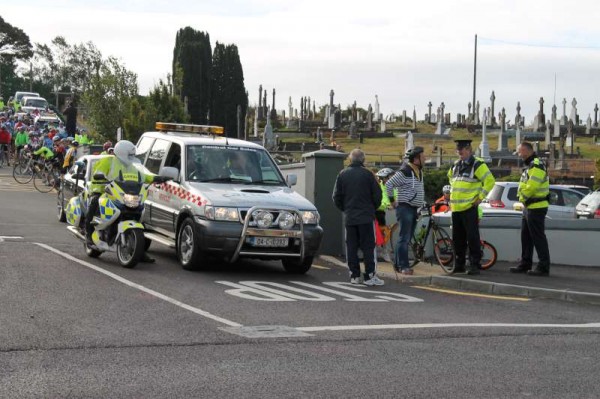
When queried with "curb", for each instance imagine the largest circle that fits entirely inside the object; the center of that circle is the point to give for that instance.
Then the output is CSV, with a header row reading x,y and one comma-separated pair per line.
x,y
486,287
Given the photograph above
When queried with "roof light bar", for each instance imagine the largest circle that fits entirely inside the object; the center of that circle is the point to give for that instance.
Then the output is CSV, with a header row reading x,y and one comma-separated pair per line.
x,y
186,128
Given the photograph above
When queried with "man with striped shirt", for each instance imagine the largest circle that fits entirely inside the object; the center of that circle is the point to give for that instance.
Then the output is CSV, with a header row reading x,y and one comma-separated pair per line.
x,y
408,181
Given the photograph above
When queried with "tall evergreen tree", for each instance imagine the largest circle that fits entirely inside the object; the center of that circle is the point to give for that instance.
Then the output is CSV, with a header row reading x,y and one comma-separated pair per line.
x,y
192,62
228,90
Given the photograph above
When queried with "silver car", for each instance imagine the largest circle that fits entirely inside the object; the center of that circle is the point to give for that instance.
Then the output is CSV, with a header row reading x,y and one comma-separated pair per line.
x,y
563,200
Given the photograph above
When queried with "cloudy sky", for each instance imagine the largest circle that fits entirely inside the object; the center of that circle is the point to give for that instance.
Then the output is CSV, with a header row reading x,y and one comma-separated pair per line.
x,y
407,53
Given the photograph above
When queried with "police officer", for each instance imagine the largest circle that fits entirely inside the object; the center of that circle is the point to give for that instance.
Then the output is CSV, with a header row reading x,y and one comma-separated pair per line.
x,y
471,180
533,192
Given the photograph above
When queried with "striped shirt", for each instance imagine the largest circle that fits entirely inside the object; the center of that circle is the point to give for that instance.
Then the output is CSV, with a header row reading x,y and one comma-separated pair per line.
x,y
410,186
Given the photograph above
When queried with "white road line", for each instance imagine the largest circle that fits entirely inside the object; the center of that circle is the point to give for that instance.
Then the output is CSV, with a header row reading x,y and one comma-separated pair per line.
x,y
11,237
442,325
142,288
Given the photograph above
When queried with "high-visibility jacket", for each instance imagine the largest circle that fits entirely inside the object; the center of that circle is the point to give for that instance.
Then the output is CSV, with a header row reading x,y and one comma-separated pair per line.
x,y
534,186
45,152
21,139
385,200
114,169
471,180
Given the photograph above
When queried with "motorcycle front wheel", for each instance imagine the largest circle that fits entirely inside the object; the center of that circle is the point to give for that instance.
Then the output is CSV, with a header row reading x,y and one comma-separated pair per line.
x,y
130,248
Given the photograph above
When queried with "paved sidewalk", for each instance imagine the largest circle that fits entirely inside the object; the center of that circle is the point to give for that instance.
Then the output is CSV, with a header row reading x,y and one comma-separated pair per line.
x,y
568,283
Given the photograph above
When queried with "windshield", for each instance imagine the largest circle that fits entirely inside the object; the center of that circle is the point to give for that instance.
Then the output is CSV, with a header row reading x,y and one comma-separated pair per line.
x,y
36,102
225,164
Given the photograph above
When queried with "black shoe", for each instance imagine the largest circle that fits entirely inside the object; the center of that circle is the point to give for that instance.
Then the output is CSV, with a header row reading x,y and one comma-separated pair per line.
x,y
520,269
538,272
459,268
147,259
473,272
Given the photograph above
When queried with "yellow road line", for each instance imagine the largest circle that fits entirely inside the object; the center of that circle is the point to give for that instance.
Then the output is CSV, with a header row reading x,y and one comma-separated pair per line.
x,y
320,267
503,297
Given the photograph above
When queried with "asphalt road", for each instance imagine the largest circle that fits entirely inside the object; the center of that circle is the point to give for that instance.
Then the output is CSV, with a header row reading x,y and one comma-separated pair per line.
x,y
72,326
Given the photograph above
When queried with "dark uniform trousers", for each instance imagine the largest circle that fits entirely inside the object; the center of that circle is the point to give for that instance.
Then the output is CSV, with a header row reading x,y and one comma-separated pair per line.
x,y
465,230
533,235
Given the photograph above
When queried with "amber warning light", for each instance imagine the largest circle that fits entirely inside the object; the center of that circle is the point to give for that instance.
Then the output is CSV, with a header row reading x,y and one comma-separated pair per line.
x,y
186,128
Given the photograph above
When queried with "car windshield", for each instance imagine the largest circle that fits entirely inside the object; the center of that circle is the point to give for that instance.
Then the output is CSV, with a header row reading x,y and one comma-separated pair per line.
x,y
592,200
36,102
226,164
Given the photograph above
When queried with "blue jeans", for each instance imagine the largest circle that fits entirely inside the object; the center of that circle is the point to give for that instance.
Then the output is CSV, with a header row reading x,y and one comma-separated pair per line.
x,y
406,215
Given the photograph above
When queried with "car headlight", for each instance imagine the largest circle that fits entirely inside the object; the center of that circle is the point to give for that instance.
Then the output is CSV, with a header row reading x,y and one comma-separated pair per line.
x,y
131,201
310,217
286,220
263,219
221,213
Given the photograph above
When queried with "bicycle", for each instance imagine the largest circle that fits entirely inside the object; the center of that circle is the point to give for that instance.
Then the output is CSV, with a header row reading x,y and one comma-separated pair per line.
x,y
443,251
48,178
489,255
25,168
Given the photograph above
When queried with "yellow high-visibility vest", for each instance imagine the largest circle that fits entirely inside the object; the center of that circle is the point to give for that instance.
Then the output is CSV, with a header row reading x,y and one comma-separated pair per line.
x,y
469,184
534,186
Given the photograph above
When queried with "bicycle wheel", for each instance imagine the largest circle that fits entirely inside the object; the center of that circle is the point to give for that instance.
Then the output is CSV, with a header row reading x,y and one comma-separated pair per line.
x,y
414,253
443,250
44,181
489,255
23,172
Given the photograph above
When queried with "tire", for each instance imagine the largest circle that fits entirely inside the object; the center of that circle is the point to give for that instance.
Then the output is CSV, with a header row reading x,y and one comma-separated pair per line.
x,y
130,254
443,250
22,172
297,266
414,253
188,252
44,181
60,207
489,255
92,253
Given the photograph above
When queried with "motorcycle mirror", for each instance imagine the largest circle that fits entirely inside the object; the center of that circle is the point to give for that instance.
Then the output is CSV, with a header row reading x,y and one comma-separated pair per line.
x,y
99,176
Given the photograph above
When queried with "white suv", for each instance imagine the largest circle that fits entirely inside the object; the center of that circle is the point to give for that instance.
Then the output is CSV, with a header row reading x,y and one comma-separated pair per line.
x,y
562,200
229,200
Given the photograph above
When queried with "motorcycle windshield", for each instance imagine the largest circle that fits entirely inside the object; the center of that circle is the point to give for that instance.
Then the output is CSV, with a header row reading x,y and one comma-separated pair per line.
x,y
130,187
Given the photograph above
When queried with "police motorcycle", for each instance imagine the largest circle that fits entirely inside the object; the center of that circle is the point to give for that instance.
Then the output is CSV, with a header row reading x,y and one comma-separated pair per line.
x,y
118,226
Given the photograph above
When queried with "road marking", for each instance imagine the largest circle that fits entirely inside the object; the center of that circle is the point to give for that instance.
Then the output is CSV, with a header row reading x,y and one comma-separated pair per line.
x,y
131,284
2,238
506,298
442,325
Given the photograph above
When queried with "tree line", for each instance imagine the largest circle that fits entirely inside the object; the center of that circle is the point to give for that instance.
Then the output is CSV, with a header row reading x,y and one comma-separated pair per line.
x,y
205,86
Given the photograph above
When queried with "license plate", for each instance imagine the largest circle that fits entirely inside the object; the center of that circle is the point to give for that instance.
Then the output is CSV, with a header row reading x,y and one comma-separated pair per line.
x,y
267,241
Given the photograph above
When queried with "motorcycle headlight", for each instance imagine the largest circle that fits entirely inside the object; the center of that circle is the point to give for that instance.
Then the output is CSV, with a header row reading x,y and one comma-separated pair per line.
x,y
286,220
221,213
131,201
310,217
263,219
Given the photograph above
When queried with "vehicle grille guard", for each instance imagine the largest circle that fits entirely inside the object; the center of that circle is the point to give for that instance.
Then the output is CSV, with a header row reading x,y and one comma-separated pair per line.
x,y
248,231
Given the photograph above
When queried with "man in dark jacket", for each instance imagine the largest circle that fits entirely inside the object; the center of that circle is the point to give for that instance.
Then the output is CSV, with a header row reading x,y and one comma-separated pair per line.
x,y
358,195
71,114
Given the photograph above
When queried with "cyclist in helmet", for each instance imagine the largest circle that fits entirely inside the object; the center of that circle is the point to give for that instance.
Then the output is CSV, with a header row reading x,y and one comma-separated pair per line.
x,y
105,147
442,204
123,164
383,175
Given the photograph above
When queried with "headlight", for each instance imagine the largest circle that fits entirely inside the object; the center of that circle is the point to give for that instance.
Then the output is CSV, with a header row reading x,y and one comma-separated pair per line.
x,y
310,217
286,220
221,213
263,219
131,201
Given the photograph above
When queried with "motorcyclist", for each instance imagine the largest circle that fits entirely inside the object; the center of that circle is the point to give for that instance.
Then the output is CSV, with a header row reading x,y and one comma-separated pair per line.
x,y
122,165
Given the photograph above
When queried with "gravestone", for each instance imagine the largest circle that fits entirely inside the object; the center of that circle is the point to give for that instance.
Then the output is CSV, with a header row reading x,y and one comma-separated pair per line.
x,y
354,118
518,117
563,118
268,136
548,137
256,122
477,113
414,121
484,147
458,118
588,125
541,117
442,106
573,115
370,118
518,134
404,117
502,137
553,114
570,137
260,104
471,118
596,115
383,126
556,129
409,141
429,112
353,130
493,99
551,155
377,116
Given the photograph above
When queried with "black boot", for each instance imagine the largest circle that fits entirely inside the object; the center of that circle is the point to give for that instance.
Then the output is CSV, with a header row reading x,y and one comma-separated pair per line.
x,y
147,259
473,271
538,272
520,269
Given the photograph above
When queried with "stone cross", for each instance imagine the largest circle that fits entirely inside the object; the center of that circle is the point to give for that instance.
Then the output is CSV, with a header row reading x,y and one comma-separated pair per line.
x,y
541,116
573,116
331,93
429,112
596,115
518,117
376,108
502,139
492,99
414,118
469,110
563,119
553,114
290,109
370,117
442,106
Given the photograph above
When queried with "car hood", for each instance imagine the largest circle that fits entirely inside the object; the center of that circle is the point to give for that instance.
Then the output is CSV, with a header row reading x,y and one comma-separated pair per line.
x,y
247,196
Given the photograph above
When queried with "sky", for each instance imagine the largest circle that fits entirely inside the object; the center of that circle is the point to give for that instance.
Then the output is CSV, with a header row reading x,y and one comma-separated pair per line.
x,y
406,52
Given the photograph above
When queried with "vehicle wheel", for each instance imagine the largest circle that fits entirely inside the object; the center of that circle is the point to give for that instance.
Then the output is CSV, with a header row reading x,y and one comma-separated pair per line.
x,y
60,201
43,182
147,243
297,266
92,253
443,250
22,173
187,248
130,253
489,255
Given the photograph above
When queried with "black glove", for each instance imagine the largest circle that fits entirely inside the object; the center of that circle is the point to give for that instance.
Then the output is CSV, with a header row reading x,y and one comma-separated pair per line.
x,y
160,179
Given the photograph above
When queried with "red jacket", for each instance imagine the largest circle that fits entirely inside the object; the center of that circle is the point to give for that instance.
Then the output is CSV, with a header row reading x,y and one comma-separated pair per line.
x,y
4,136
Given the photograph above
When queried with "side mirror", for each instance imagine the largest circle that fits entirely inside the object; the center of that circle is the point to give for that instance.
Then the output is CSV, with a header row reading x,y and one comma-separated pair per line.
x,y
169,171
291,180
99,176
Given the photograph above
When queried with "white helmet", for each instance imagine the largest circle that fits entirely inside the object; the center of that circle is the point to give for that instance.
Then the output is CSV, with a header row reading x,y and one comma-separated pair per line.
x,y
447,189
125,152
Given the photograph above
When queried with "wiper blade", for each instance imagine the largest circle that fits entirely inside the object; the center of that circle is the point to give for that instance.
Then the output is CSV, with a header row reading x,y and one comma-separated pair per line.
x,y
222,180
264,182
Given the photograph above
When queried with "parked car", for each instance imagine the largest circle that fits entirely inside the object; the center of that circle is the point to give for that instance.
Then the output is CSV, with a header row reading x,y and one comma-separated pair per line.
x,y
585,190
30,104
230,200
589,206
562,200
